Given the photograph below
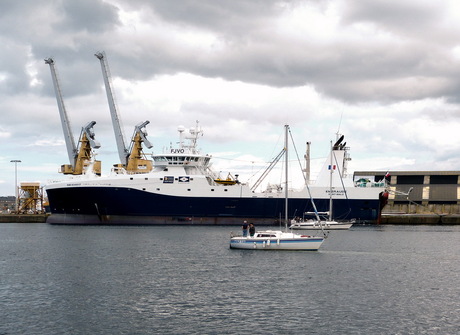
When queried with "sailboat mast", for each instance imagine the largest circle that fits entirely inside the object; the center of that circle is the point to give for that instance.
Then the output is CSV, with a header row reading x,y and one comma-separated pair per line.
x,y
307,163
286,156
330,183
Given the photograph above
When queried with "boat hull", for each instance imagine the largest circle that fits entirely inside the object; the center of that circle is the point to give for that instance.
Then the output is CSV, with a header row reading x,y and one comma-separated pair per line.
x,y
121,205
306,243
340,226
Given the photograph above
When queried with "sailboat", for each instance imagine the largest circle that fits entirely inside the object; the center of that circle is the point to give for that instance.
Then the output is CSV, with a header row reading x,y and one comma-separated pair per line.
x,y
277,239
329,222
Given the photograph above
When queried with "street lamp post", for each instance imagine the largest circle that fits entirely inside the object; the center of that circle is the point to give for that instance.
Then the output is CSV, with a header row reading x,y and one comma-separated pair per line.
x,y
16,161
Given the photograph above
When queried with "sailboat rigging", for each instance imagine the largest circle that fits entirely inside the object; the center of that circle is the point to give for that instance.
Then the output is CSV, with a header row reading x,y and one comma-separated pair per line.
x,y
329,222
277,239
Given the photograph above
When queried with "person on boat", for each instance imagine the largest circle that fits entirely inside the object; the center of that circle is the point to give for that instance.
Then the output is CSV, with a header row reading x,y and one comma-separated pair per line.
x,y
245,228
252,230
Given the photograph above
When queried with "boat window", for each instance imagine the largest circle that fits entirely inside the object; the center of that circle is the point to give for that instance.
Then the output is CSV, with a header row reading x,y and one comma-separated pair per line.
x,y
266,235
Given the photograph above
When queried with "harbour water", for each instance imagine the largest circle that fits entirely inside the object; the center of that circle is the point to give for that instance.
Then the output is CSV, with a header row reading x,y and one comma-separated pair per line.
x,y
186,280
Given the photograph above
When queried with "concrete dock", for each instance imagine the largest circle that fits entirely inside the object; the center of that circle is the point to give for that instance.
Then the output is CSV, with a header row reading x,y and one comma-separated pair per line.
x,y
418,219
22,218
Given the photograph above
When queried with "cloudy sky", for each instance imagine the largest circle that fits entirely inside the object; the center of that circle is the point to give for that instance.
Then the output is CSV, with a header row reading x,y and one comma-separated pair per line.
x,y
385,73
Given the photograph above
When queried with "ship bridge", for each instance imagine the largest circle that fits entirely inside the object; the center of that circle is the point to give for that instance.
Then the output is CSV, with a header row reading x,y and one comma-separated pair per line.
x,y
181,159
185,154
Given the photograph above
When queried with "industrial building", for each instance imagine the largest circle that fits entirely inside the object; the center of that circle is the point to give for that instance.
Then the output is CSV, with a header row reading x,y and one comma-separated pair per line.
x,y
419,192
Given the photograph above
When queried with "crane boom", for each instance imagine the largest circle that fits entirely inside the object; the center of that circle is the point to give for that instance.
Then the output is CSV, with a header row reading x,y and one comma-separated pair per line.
x,y
132,159
68,136
123,151
80,157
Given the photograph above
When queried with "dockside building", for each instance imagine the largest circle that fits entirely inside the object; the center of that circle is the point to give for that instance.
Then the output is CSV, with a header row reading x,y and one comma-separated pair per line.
x,y
419,192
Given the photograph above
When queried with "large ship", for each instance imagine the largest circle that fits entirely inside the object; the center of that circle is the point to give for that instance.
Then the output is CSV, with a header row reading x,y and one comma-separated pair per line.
x,y
181,188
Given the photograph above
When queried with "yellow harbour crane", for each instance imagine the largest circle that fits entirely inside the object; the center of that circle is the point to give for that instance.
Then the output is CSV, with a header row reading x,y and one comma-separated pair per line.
x,y
81,156
133,159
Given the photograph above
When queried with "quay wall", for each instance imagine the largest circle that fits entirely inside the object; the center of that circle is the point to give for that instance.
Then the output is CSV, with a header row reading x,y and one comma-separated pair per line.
x,y
387,218
22,218
437,214
420,219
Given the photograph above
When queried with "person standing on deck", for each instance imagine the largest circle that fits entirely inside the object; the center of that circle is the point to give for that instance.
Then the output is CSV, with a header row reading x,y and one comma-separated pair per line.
x,y
252,230
245,228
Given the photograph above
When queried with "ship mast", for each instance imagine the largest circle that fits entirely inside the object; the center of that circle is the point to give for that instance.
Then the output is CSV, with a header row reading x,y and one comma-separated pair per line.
x,y
286,157
307,163
330,182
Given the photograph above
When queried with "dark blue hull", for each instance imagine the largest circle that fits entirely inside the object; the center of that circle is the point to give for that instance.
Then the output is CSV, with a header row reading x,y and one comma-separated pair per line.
x,y
109,205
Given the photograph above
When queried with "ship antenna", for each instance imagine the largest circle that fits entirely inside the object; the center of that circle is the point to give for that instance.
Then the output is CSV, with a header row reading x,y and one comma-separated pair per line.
x,y
338,129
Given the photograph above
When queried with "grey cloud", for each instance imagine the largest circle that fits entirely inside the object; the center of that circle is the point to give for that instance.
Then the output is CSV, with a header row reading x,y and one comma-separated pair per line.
x,y
227,17
400,17
92,16
250,49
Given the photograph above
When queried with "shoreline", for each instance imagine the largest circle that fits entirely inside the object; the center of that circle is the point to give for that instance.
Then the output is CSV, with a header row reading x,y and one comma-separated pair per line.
x,y
386,219
23,218
420,219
